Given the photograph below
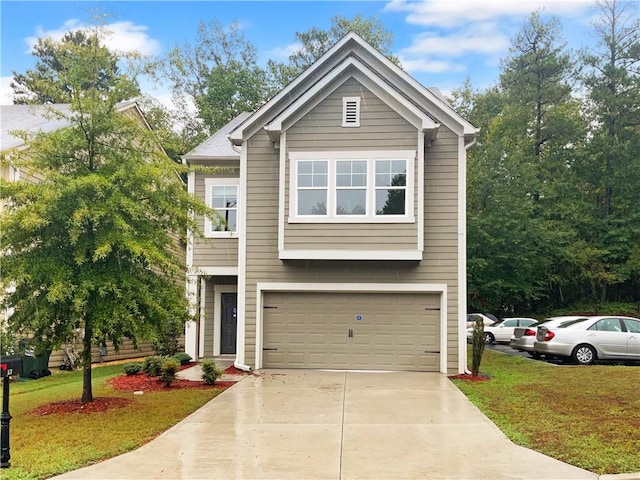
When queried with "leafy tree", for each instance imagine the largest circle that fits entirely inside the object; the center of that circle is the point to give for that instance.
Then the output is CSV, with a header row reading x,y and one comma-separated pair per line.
x,y
315,42
519,174
218,76
45,84
611,170
89,249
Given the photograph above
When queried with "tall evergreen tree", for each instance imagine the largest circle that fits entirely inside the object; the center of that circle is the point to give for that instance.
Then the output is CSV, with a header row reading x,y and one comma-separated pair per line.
x,y
611,170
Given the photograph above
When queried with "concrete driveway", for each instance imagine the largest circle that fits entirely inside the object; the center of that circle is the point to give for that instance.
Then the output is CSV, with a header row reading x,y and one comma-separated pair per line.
x,y
308,424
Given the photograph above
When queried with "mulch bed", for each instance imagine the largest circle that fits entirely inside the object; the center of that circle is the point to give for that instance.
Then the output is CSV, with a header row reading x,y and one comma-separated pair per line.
x,y
139,382
467,376
99,404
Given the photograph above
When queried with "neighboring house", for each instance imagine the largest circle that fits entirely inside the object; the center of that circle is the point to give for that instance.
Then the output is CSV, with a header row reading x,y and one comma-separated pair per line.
x,y
344,243
34,118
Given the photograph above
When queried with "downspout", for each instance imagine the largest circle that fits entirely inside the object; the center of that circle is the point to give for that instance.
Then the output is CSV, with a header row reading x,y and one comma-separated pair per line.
x,y
240,366
466,147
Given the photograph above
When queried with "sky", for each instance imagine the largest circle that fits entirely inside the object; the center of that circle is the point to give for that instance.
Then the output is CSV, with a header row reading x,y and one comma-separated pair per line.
x,y
439,42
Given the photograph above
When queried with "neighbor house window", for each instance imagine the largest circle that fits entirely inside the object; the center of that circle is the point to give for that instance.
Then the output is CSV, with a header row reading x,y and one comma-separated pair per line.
x,y
222,196
351,186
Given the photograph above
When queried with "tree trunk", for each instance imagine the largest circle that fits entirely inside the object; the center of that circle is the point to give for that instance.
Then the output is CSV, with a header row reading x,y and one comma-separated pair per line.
x,y
87,391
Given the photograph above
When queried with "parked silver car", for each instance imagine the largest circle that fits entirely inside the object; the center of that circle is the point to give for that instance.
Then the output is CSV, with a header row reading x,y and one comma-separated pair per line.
x,y
596,338
523,337
502,330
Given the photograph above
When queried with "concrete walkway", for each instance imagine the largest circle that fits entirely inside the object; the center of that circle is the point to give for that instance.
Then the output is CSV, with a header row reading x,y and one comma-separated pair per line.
x,y
302,424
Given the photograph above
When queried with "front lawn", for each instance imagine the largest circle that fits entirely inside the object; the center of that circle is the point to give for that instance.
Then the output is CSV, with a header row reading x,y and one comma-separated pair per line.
x,y
588,416
43,446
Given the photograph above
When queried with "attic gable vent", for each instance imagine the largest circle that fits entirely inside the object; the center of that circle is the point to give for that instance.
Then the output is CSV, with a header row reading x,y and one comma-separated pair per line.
x,y
351,111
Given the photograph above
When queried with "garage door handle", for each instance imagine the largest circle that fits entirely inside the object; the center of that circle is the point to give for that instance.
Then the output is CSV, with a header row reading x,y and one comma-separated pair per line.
x,y
432,351
266,349
350,333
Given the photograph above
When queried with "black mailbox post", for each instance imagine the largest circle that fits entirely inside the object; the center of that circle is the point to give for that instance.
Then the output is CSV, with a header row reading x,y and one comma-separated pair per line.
x,y
9,365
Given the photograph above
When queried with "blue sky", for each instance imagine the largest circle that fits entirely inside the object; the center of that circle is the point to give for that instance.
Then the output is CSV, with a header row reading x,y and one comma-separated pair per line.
x,y
439,42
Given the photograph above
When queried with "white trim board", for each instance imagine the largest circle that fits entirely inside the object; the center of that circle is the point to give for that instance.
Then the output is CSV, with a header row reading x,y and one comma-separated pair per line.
x,y
441,288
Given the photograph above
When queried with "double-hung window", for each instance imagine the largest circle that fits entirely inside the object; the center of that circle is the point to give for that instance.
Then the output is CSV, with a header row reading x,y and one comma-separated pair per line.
x,y
351,186
222,196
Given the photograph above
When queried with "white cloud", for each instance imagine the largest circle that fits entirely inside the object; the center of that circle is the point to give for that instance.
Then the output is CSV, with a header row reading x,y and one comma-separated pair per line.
x,y
447,14
482,38
284,52
6,94
123,36
415,65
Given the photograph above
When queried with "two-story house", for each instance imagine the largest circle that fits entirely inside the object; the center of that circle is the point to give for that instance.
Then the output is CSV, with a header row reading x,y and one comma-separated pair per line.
x,y
343,245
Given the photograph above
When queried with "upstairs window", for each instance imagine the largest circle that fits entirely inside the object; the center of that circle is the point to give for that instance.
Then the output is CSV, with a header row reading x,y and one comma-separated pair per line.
x,y
312,187
351,111
391,187
222,196
351,186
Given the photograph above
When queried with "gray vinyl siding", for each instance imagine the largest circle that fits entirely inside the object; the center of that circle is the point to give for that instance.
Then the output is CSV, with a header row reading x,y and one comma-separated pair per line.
x,y
381,128
439,264
213,252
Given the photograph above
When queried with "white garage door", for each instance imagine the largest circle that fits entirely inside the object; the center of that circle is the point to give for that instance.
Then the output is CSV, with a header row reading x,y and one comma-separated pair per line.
x,y
370,331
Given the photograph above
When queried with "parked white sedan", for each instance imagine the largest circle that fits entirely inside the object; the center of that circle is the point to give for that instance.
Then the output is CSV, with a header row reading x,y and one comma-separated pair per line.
x,y
596,338
523,337
502,330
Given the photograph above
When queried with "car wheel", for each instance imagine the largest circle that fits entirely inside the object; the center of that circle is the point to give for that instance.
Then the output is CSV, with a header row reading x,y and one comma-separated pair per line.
x,y
584,354
489,338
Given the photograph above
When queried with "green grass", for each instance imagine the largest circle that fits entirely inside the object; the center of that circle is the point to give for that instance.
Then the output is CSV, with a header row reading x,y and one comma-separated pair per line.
x,y
43,446
588,416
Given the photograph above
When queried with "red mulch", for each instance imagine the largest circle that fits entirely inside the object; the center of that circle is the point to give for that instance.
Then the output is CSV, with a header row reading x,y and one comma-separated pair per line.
x,y
231,370
99,404
467,376
128,383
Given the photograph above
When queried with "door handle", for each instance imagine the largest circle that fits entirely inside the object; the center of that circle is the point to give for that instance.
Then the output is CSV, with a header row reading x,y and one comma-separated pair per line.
x,y
350,333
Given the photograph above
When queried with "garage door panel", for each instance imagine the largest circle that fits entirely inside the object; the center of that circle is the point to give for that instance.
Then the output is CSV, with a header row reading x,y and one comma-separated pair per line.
x,y
390,331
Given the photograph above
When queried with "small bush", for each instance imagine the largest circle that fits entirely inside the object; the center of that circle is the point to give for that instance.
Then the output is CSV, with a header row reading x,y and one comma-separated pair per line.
x,y
210,371
152,366
132,368
182,357
478,346
168,371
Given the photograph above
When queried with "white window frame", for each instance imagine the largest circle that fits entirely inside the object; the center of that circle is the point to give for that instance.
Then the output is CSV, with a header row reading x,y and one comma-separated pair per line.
x,y
209,183
332,157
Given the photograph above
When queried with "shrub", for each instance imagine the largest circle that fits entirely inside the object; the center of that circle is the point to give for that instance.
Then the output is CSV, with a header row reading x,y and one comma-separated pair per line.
x,y
152,366
132,368
210,371
166,339
168,371
182,357
478,346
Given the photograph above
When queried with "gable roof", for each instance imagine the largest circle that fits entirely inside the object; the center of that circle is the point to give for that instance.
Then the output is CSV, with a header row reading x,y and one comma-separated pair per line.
x,y
351,45
34,118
